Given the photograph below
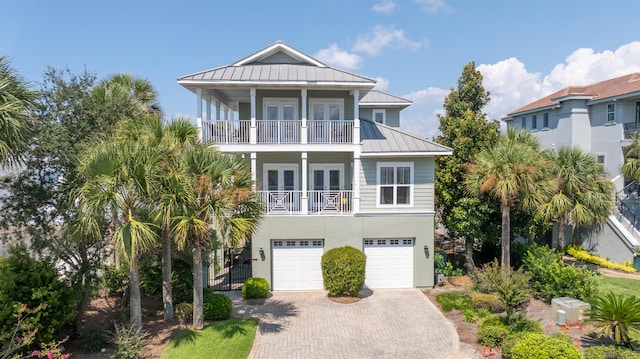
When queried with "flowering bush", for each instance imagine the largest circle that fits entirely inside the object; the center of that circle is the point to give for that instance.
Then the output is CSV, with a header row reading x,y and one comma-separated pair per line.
x,y
582,255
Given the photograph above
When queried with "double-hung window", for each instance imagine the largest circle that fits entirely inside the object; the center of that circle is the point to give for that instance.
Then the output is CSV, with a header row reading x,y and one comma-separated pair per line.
x,y
379,116
534,122
523,121
611,112
545,120
395,183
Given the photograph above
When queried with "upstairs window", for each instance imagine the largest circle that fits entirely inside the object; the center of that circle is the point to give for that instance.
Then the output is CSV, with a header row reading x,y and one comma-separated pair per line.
x,y
523,124
534,122
611,112
379,116
545,120
395,183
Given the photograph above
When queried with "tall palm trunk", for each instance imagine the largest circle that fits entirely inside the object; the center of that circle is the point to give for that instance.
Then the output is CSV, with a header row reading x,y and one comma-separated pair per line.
x,y
198,302
505,242
562,222
135,306
468,255
167,290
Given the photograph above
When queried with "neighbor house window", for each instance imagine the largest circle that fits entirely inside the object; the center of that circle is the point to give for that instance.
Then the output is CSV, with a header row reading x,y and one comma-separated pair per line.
x,y
600,159
523,125
545,120
379,116
534,122
611,112
395,183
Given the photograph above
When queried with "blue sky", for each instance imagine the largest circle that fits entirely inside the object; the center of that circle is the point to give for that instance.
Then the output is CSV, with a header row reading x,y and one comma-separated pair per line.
x,y
414,48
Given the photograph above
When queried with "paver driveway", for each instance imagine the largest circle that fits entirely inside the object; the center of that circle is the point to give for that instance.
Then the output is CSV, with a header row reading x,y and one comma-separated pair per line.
x,y
386,324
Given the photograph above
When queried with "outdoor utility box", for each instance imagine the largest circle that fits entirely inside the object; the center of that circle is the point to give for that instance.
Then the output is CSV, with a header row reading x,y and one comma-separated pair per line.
x,y
575,309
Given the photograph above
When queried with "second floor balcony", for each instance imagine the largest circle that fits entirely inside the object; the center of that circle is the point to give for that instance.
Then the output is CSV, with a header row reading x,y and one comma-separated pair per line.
x,y
278,132
330,202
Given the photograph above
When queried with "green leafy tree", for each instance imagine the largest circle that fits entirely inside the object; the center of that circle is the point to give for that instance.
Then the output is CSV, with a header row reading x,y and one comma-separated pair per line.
x,y
220,191
616,316
515,173
583,195
466,130
16,101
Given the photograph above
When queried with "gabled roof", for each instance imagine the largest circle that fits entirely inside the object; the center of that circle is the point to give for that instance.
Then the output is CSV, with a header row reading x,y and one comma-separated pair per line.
x,y
609,89
378,98
276,64
378,140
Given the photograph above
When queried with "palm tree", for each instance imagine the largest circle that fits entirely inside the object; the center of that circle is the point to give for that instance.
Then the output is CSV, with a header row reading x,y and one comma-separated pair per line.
x,y
631,167
514,172
120,179
583,195
616,315
15,103
221,194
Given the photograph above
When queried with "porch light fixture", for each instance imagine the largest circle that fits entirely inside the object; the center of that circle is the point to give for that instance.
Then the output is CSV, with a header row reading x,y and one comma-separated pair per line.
x,y
262,256
426,251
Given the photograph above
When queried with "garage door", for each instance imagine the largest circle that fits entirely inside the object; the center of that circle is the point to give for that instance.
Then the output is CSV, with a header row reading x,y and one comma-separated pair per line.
x,y
389,263
296,264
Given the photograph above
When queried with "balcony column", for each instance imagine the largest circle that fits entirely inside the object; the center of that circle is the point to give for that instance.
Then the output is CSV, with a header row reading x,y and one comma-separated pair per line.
x,y
254,169
199,113
356,117
305,190
356,180
217,111
252,131
303,129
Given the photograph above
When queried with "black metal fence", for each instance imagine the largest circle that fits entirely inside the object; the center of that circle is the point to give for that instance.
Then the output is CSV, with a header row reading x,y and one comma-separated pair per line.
x,y
236,269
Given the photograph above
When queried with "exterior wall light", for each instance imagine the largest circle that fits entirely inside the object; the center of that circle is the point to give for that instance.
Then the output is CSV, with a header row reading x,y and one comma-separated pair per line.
x,y
262,256
426,251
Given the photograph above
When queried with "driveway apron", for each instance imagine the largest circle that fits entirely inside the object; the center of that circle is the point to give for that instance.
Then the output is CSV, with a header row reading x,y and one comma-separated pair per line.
x,y
384,324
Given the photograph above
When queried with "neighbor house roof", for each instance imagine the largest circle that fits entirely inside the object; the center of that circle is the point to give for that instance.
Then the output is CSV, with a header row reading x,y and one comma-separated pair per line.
x,y
378,139
609,89
378,98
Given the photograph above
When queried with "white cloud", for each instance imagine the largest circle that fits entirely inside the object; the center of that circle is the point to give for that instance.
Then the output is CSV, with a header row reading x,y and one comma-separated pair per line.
x,y
511,85
382,37
382,84
384,6
433,6
337,57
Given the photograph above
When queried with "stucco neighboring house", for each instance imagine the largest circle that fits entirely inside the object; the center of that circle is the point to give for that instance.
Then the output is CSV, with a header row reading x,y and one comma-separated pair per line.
x,y
330,163
599,118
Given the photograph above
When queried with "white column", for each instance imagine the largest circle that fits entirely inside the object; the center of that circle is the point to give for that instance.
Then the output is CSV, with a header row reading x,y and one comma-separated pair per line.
x,y
305,191
356,117
217,111
199,113
303,130
356,180
254,168
226,113
252,131
207,106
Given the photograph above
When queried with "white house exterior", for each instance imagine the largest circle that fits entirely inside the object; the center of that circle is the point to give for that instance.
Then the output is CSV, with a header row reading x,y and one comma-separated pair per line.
x,y
330,164
599,118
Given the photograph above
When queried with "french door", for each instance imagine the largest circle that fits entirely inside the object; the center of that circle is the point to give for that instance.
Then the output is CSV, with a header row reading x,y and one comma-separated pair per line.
x,y
281,184
326,183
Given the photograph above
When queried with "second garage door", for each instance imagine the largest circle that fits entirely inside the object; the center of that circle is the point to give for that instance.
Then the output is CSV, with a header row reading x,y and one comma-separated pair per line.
x,y
296,264
389,263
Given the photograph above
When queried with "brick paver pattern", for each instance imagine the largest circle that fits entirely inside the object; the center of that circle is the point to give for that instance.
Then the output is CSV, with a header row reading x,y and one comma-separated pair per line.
x,y
385,324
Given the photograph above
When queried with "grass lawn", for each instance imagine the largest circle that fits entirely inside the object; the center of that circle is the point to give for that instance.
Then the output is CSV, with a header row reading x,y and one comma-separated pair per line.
x,y
619,285
230,339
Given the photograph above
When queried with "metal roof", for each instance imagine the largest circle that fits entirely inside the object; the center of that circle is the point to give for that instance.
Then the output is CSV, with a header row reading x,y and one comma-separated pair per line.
x,y
378,139
377,98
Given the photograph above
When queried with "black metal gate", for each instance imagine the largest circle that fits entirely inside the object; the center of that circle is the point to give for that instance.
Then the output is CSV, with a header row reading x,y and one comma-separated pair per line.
x,y
234,270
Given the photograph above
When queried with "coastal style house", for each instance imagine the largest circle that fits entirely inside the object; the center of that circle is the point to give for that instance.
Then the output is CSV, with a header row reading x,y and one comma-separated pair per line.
x,y
598,118
330,164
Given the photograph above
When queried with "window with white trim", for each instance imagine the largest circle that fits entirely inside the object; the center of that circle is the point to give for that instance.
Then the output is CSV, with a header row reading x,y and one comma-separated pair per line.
x,y
523,121
534,122
380,116
326,109
611,112
395,183
545,120
280,109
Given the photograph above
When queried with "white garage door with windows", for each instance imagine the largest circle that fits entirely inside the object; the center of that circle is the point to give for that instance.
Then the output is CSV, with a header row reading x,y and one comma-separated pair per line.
x,y
296,264
389,263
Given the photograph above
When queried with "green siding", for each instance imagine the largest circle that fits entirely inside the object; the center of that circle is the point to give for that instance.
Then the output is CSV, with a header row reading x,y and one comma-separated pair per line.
x,y
392,115
312,158
423,190
338,231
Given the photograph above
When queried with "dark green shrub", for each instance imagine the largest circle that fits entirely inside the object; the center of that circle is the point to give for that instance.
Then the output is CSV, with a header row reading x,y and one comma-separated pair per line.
x,y
93,339
488,301
506,348
182,279
543,346
609,352
150,268
255,288
216,306
522,324
551,278
484,279
184,312
454,299
343,271
25,281
492,331
129,343
114,280
511,287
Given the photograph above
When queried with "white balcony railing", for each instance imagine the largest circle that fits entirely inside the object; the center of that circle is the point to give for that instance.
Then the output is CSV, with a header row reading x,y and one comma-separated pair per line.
x,y
226,132
330,131
317,202
279,131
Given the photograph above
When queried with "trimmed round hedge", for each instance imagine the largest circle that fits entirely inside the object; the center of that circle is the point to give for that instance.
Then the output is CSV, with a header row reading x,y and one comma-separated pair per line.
x,y
255,288
216,306
543,346
343,271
